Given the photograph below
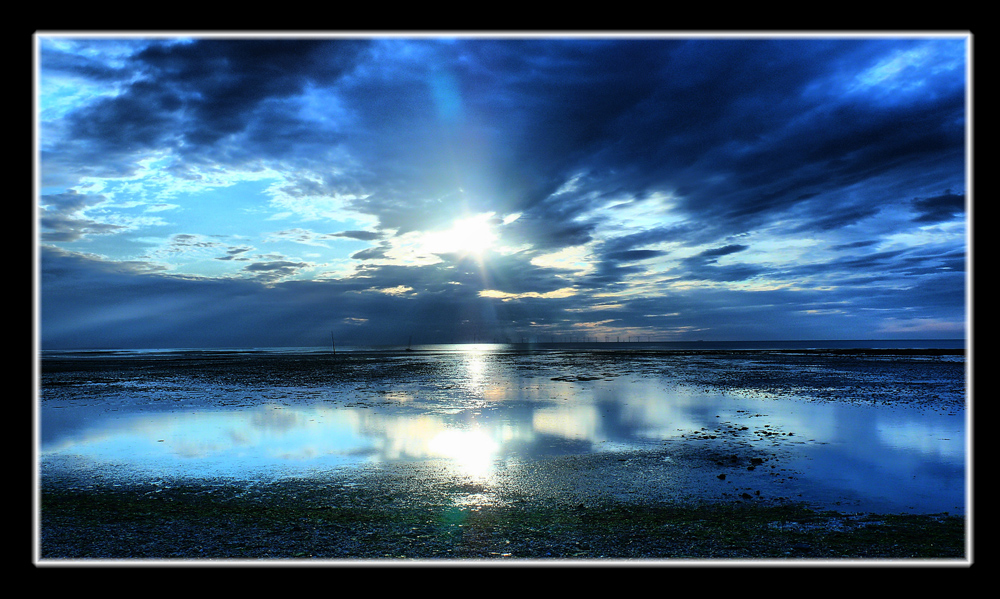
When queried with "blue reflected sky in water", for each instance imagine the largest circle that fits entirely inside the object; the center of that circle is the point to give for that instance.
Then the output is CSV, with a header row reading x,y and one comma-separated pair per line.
x,y
887,458
485,412
235,442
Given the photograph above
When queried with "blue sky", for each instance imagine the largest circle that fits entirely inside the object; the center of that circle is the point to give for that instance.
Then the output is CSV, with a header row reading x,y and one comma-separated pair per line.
x,y
242,191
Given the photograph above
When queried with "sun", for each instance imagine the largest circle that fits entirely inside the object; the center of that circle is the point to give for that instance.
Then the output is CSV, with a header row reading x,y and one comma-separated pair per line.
x,y
470,235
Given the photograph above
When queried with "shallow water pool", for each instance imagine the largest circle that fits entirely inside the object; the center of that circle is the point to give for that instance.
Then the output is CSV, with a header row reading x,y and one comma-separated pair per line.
x,y
856,433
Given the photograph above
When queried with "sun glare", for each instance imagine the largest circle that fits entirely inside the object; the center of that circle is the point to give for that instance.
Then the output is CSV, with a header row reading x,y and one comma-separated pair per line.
x,y
472,235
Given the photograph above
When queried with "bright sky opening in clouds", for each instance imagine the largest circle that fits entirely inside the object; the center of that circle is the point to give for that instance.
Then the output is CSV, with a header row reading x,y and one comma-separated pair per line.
x,y
221,190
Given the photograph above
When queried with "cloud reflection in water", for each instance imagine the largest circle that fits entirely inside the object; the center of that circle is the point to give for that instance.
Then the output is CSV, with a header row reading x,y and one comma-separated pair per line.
x,y
485,412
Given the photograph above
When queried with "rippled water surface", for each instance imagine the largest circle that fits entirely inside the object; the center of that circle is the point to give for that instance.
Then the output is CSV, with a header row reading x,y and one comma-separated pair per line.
x,y
873,431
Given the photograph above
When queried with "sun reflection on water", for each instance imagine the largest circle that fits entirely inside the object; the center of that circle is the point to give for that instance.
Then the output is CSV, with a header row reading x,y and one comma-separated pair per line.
x,y
475,371
473,451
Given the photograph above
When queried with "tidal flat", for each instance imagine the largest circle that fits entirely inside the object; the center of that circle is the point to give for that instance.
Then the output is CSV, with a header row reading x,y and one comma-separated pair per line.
x,y
500,454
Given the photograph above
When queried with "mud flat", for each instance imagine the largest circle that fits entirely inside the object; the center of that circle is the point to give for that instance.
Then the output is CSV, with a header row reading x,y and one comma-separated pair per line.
x,y
597,509
586,457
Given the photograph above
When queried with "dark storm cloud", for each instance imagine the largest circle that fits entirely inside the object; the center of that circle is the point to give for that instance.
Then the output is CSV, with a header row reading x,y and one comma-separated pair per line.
x,y
143,117
856,244
838,217
548,230
609,275
703,266
222,82
944,207
712,255
732,127
875,262
190,96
